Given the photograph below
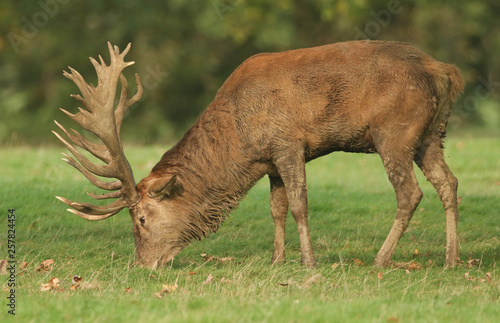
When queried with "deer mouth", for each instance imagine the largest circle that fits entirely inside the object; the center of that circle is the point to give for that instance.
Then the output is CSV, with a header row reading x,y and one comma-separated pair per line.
x,y
157,261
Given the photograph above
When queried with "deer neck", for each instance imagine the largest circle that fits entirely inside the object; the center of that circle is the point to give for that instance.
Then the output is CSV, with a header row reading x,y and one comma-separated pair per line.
x,y
215,170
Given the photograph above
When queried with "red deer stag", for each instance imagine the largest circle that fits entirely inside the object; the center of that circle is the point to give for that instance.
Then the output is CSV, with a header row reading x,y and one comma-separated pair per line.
x,y
276,112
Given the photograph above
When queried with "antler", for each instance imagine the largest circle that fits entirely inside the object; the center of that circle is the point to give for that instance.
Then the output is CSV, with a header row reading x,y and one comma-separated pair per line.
x,y
102,119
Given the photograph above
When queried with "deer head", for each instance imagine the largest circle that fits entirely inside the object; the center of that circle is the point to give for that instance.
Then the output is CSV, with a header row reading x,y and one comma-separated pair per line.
x,y
153,211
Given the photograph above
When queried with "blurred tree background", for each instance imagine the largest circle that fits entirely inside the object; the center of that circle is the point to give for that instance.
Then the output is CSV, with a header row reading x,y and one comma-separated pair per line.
x,y
185,49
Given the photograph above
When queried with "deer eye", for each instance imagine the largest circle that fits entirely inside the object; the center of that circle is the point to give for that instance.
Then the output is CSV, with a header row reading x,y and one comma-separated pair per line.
x,y
142,220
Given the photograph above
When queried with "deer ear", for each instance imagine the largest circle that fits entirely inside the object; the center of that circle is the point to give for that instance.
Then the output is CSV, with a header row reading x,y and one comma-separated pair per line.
x,y
165,187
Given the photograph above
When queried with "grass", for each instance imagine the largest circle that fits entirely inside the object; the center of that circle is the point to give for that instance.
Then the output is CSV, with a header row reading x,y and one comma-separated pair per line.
x,y
352,207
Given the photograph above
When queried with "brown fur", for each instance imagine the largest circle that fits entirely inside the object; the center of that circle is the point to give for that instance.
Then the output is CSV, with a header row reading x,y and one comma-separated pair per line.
x,y
276,112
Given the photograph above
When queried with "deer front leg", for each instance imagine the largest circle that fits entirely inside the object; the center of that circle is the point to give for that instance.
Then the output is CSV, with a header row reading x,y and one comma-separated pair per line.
x,y
279,210
291,167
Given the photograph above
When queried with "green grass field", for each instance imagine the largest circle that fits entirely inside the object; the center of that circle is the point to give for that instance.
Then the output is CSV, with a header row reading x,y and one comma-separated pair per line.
x,y
352,207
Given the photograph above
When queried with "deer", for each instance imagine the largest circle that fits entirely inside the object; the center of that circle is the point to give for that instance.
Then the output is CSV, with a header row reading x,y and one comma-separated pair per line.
x,y
275,113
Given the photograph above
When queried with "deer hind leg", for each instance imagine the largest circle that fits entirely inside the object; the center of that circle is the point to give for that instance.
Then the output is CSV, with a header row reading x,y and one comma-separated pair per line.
x,y
291,167
430,159
279,210
408,196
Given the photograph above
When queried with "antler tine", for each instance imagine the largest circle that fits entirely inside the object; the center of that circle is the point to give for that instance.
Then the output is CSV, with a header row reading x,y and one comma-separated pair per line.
x,y
100,170
93,217
93,209
112,195
125,102
97,150
102,119
110,186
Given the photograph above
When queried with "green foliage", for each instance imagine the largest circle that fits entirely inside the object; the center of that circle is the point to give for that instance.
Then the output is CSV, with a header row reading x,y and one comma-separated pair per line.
x,y
352,207
186,49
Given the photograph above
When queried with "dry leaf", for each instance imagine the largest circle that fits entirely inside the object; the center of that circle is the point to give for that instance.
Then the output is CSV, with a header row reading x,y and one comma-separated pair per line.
x,y
380,275
415,253
74,286
311,280
459,200
128,290
191,273
472,262
407,271
488,277
209,279
53,284
225,280
414,266
24,264
45,287
54,281
359,262
169,289
158,295
334,265
45,265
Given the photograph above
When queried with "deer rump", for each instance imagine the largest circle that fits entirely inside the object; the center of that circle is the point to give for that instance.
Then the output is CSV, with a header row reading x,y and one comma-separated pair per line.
x,y
279,110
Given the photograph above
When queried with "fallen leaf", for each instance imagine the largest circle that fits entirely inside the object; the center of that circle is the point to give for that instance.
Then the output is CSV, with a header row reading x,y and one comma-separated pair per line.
x,y
53,284
488,277
380,276
76,279
414,266
209,279
334,265
191,273
169,289
311,280
358,262
54,281
74,286
472,262
24,264
45,265
415,253
225,280
158,295
127,290
45,287
407,271
459,200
